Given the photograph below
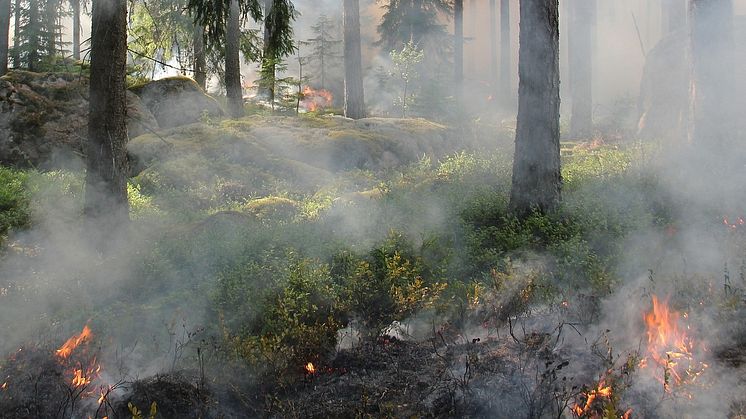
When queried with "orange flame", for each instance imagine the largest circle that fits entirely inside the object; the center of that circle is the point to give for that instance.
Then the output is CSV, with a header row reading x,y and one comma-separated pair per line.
x,y
602,391
4,386
314,100
669,346
310,368
69,346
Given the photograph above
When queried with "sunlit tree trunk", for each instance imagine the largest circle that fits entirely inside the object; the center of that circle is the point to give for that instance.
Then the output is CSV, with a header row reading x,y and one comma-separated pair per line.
x,y
712,73
234,92
16,29
75,6
580,51
266,88
458,59
505,61
200,61
4,34
106,177
493,45
354,106
536,165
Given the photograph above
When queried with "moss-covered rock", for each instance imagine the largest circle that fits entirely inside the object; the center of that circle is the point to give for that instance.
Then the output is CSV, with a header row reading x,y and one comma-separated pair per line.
x,y
44,118
177,101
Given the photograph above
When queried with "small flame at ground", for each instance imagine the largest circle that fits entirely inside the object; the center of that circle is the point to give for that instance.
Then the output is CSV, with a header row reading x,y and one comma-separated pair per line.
x,y
314,100
69,346
310,368
669,347
602,391
4,386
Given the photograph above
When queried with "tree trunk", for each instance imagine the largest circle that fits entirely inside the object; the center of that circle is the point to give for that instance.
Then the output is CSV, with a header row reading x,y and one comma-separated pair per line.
x,y
200,60
458,59
234,92
580,50
712,74
16,30
4,33
536,166
76,28
107,167
33,41
266,87
505,65
493,46
673,16
354,106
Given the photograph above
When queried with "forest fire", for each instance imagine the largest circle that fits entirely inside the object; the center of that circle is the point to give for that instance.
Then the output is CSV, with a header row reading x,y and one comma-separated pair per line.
x,y
735,224
310,368
314,100
602,391
80,376
669,347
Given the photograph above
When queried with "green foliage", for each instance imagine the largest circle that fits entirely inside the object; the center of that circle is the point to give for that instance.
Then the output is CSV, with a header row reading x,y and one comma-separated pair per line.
x,y
405,62
138,414
14,200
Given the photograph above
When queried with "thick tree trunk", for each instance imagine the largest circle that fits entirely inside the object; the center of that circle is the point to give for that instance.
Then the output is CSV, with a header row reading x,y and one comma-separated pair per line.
x,y
458,59
536,166
107,167
354,106
712,74
4,34
493,46
33,41
234,92
76,28
580,51
200,60
673,16
16,29
506,92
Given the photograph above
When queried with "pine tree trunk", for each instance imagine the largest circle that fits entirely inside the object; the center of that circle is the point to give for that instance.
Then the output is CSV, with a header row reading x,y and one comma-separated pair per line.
x,y
580,50
266,88
536,166
234,92
493,46
506,92
4,33
458,59
712,74
16,29
107,166
33,41
76,28
354,106
200,60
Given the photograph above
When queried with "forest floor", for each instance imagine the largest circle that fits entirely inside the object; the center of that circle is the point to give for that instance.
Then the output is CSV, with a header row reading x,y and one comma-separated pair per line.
x,y
320,267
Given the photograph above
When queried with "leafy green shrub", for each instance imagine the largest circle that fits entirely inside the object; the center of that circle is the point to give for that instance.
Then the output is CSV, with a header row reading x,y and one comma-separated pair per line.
x,y
14,200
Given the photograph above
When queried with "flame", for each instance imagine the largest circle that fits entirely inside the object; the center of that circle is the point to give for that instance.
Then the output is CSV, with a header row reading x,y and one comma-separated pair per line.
x,y
69,346
4,386
314,100
601,391
310,368
669,347
738,222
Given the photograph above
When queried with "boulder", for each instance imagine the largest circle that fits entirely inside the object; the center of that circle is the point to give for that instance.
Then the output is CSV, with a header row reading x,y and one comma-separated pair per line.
x,y
44,118
176,101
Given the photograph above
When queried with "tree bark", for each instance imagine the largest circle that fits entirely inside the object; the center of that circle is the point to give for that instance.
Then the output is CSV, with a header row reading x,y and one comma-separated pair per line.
x,y
107,166
580,50
713,82
354,105
16,29
266,89
33,41
234,92
76,28
458,59
4,34
536,166
505,62
493,46
200,60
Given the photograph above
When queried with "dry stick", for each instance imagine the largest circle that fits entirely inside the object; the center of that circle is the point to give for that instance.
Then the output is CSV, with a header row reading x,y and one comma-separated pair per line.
x,y
159,61
639,37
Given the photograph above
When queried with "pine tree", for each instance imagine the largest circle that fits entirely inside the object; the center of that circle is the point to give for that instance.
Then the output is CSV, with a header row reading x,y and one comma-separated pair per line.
x,y
324,48
278,41
38,32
